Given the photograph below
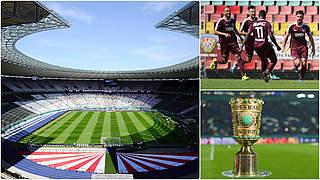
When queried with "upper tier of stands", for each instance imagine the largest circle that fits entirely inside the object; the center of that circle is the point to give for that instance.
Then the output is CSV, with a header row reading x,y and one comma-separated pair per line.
x,y
280,13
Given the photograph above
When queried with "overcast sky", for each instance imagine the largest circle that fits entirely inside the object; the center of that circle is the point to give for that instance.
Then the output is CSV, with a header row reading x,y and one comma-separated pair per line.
x,y
111,36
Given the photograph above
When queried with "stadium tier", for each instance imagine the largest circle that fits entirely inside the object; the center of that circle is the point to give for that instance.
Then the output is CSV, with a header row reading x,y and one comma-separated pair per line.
x,y
64,123
14,62
280,14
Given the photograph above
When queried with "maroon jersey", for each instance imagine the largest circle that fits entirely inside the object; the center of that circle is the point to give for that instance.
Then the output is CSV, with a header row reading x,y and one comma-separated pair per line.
x,y
245,28
298,40
260,29
226,26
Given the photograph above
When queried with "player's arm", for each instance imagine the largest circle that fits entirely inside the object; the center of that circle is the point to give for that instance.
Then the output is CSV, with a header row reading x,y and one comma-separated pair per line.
x,y
312,44
237,33
222,34
245,40
285,41
274,41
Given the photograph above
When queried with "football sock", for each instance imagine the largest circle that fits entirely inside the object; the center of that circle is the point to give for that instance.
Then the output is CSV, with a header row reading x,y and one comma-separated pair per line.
x,y
241,66
271,65
264,65
302,71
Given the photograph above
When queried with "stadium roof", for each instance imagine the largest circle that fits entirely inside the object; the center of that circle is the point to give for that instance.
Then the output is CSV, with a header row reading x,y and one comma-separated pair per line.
x,y
185,20
22,18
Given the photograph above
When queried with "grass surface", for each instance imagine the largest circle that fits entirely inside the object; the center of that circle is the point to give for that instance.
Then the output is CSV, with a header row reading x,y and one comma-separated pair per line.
x,y
88,127
298,161
257,84
109,166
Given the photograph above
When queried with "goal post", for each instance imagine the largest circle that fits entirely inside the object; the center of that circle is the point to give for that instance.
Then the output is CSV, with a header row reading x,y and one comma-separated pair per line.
x,y
111,141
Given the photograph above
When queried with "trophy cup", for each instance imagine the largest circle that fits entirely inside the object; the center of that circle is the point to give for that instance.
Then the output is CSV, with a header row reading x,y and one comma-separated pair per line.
x,y
246,118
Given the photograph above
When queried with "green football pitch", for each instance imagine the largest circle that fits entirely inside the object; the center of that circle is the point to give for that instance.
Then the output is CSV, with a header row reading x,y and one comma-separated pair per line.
x,y
258,84
296,161
89,127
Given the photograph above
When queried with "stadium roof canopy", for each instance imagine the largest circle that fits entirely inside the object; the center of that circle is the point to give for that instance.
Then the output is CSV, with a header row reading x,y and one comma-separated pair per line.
x,y
22,18
185,20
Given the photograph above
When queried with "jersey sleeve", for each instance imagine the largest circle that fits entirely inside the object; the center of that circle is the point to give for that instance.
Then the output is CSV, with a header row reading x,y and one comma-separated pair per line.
x,y
268,27
289,30
250,28
218,25
308,29
242,25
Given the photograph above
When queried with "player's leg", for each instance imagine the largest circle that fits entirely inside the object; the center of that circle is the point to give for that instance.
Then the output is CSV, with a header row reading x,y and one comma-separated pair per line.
x,y
297,59
264,63
235,51
269,53
303,69
224,51
249,52
304,57
273,76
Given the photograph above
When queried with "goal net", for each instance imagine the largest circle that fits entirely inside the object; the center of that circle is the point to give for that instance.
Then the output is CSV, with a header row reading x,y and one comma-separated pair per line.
x,y
111,141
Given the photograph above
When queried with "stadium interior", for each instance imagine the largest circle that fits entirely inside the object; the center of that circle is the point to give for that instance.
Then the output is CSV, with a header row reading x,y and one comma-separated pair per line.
x,y
281,14
34,94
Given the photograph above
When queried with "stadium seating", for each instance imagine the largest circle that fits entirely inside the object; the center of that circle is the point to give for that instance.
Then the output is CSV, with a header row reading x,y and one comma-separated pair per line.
x,y
312,10
268,3
285,10
209,9
306,3
243,3
273,9
241,17
235,9
281,3
220,9
294,3
230,3
256,3
314,66
298,8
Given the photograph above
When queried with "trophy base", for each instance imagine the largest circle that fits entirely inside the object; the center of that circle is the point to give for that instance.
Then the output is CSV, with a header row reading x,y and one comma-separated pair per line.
x,y
259,174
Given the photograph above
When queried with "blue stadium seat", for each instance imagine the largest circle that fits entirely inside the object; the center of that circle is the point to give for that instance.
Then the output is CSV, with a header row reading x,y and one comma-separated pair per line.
x,y
256,3
268,3
230,3
243,3
294,3
306,3
217,3
281,3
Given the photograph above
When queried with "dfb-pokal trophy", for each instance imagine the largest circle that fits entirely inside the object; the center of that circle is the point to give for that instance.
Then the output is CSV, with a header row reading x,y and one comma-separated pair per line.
x,y
246,119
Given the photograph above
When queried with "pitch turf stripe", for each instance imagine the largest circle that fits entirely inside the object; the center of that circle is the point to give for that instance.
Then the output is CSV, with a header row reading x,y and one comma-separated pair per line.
x,y
149,132
114,125
63,127
76,132
106,127
97,131
48,127
85,136
122,125
133,132
140,127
